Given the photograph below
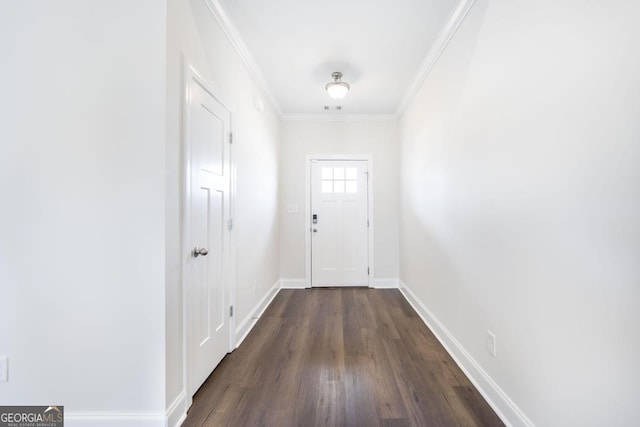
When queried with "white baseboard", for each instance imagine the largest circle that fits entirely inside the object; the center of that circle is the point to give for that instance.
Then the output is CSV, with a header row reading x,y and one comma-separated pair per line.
x,y
302,284
173,417
504,407
110,419
386,284
293,284
177,411
248,323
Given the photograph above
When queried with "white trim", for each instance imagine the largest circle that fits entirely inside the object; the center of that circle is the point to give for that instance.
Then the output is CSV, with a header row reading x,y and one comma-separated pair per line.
x,y
223,18
177,411
504,407
307,239
111,419
437,48
186,203
232,234
191,73
252,318
339,118
386,284
294,284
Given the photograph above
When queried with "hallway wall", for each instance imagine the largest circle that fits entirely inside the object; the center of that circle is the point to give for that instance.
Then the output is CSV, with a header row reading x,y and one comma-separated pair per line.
x,y
195,36
302,138
82,167
520,203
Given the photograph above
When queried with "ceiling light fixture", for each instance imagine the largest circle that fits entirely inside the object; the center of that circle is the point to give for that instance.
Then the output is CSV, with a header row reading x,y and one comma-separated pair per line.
x,y
337,89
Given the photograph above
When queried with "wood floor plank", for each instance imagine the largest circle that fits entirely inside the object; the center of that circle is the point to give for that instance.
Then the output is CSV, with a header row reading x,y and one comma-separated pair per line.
x,y
386,391
339,357
360,405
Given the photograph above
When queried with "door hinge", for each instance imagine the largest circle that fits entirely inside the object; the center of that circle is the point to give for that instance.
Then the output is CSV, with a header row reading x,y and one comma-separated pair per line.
x,y
230,311
367,271
230,137
367,223
230,224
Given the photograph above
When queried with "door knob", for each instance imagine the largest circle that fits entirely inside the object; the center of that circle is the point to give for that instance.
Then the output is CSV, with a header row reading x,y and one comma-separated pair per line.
x,y
315,230
199,251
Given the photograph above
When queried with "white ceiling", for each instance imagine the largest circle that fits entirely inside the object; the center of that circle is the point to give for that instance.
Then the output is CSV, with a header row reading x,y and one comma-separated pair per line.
x,y
379,46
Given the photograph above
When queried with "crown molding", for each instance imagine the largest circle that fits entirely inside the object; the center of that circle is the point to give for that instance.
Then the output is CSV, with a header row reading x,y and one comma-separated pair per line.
x,y
439,45
339,118
223,18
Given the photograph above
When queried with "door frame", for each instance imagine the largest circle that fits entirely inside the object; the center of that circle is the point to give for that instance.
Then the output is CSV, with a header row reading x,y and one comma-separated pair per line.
x,y
370,233
190,73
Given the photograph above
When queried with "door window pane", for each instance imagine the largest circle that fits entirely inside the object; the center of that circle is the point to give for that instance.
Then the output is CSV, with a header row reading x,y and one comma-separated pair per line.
x,y
339,180
327,173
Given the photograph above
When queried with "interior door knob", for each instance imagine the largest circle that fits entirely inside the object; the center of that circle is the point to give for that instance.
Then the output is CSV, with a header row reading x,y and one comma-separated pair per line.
x,y
315,230
199,251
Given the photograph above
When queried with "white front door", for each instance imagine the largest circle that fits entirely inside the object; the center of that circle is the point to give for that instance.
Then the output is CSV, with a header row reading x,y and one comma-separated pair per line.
x,y
339,223
207,268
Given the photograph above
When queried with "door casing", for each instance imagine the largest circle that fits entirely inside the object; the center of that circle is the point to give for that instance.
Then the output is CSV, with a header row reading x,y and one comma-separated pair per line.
x,y
361,157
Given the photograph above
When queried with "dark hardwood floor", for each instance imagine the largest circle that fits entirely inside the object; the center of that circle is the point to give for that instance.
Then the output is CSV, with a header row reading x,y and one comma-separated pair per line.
x,y
339,357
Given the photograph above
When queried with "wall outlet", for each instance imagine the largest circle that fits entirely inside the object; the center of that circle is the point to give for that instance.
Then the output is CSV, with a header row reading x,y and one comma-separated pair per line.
x,y
4,369
491,343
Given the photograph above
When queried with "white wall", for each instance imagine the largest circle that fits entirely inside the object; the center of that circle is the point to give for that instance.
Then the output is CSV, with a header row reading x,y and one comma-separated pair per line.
x,y
520,203
90,313
301,138
82,156
193,33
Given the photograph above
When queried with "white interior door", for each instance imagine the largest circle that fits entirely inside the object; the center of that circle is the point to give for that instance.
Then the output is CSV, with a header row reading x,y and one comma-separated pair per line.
x,y
339,223
207,267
